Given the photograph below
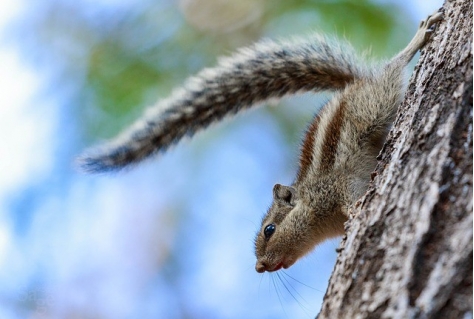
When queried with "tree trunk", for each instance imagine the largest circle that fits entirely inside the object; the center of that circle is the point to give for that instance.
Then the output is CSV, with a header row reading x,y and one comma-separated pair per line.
x,y
407,252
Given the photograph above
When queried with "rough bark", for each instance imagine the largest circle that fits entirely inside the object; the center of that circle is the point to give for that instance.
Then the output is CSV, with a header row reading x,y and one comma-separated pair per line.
x,y
408,246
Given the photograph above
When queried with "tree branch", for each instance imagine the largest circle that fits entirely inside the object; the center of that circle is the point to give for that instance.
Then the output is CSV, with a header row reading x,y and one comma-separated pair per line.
x,y
408,246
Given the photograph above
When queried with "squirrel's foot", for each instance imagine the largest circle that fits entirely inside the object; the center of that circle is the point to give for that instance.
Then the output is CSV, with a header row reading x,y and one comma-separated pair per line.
x,y
426,26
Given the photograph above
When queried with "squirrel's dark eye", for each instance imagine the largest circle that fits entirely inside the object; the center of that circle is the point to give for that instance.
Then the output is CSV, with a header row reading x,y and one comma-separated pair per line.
x,y
269,230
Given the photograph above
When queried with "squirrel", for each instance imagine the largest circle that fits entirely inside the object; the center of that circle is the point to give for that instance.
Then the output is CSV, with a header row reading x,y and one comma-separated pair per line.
x,y
339,150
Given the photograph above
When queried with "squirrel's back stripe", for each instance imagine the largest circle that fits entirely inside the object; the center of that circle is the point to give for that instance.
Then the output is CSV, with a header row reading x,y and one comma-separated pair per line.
x,y
331,138
307,153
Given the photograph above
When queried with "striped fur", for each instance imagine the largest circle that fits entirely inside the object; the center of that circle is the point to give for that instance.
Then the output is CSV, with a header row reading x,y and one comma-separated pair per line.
x,y
339,150
338,154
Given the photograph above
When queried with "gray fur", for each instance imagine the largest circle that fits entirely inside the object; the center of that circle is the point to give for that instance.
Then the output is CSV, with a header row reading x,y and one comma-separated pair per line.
x,y
338,155
267,70
339,150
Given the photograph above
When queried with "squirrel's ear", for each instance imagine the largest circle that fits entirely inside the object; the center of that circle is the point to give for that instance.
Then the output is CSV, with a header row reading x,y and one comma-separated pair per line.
x,y
284,193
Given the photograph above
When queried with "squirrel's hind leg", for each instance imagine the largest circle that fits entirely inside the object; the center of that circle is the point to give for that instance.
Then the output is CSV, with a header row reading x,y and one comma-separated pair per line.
x,y
422,35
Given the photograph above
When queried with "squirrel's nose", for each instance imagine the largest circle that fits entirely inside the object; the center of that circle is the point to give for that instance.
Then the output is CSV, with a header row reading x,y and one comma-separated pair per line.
x,y
260,266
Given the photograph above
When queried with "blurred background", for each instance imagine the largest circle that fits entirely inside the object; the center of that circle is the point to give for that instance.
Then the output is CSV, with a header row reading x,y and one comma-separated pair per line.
x,y
172,238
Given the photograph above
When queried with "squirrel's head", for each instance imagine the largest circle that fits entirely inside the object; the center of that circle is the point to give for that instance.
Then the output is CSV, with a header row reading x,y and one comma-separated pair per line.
x,y
291,228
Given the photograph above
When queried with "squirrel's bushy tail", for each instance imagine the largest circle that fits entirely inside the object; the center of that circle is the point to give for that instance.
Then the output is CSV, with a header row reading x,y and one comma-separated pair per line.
x,y
252,75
